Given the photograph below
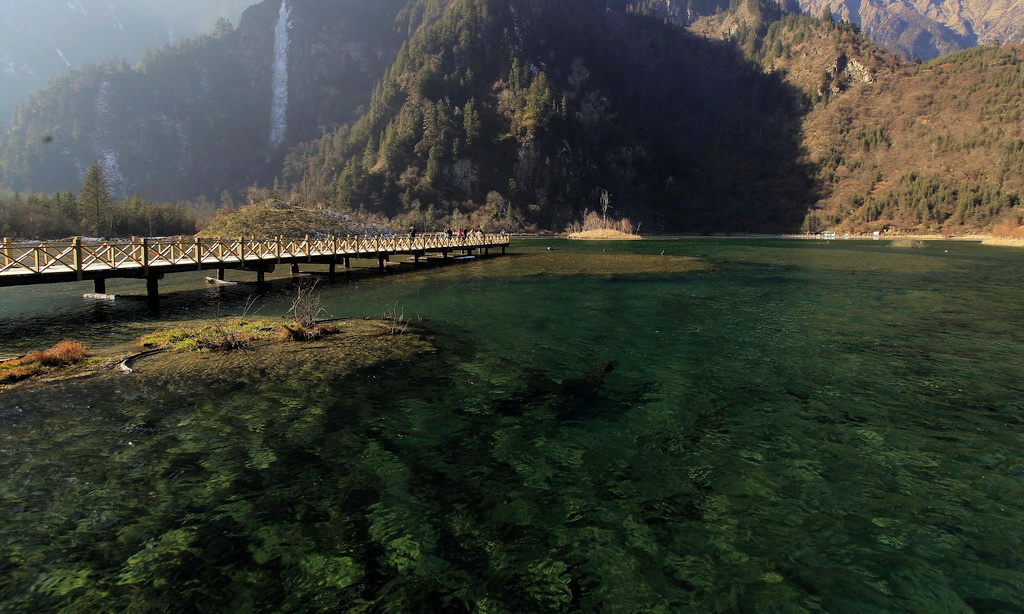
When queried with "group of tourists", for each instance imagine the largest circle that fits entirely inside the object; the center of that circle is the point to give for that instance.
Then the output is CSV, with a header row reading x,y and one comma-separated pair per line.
x,y
463,233
458,233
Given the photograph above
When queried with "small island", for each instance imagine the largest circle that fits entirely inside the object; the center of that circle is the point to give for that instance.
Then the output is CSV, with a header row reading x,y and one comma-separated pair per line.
x,y
601,227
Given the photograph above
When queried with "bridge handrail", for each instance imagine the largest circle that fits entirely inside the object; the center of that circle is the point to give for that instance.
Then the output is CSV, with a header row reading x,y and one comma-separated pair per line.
x,y
79,255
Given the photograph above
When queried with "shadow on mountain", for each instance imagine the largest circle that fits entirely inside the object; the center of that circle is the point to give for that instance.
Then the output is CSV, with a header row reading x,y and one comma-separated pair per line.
x,y
725,137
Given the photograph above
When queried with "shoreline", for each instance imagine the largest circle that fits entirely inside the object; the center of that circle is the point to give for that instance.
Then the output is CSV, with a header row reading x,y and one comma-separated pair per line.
x,y
987,239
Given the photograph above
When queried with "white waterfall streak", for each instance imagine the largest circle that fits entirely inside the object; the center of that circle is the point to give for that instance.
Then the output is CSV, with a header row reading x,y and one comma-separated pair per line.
x,y
279,101
62,57
106,120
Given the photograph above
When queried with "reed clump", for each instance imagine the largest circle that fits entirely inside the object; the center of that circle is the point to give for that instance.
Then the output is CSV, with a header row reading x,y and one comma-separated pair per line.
x,y
906,242
596,226
63,354
298,332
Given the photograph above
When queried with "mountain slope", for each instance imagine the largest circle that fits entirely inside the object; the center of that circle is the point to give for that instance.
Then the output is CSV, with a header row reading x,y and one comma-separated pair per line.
x,y
195,118
929,28
39,39
935,148
538,104
532,108
929,148
526,113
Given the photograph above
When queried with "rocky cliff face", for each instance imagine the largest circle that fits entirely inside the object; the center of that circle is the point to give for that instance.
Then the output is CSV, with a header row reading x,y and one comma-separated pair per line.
x,y
929,28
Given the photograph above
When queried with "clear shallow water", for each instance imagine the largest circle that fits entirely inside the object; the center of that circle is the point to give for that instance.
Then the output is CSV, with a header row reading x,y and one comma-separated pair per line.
x,y
798,427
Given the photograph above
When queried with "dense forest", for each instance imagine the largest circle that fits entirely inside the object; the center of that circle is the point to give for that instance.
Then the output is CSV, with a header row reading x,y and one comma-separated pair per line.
x,y
532,110
709,116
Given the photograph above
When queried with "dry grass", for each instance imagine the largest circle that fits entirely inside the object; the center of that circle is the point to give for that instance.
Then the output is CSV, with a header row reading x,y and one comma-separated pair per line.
x,y
307,307
297,332
63,354
606,234
594,224
906,242
1004,241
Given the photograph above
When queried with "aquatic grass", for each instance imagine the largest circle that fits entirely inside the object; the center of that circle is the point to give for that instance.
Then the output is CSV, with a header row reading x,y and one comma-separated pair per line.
x,y
218,335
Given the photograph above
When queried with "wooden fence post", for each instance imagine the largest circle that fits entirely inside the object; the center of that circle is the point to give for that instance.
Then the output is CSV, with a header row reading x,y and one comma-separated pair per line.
x,y
7,254
76,255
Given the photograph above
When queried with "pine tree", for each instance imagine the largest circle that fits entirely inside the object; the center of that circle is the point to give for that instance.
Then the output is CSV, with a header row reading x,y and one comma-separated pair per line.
x,y
95,201
826,16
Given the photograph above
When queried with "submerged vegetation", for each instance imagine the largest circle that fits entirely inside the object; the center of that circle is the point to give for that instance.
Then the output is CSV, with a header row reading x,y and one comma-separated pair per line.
x,y
648,435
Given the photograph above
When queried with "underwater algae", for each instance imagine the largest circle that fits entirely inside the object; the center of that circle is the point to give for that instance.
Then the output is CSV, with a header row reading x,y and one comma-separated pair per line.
x,y
793,428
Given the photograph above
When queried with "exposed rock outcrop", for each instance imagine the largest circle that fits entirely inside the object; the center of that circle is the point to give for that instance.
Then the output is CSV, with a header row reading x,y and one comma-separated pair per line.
x,y
929,28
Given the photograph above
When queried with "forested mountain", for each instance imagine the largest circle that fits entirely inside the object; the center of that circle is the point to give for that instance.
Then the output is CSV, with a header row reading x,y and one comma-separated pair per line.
x,y
532,108
195,118
703,117
543,103
929,28
39,39
935,147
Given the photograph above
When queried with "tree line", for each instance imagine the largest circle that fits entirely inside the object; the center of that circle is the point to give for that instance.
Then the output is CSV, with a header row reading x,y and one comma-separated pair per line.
x,y
93,211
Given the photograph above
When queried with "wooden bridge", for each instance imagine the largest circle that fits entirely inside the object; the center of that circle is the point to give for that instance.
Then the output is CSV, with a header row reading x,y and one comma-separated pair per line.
x,y
150,259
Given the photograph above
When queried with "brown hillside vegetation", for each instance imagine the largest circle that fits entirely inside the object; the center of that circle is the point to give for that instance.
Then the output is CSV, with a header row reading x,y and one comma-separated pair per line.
x,y
936,147
929,148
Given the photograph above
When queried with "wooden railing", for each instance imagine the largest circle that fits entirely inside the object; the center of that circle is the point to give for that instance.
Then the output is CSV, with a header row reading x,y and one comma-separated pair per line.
x,y
142,253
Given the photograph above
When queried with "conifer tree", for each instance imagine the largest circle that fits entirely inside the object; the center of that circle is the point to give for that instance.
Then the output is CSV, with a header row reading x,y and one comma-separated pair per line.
x,y
95,201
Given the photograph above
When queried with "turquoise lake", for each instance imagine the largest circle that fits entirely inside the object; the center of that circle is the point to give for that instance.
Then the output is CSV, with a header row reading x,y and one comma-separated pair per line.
x,y
692,425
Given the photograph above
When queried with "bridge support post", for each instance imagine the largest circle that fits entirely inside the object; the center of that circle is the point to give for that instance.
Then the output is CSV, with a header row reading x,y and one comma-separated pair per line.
x,y
295,268
99,285
261,278
330,272
348,262
220,274
380,263
153,287
6,254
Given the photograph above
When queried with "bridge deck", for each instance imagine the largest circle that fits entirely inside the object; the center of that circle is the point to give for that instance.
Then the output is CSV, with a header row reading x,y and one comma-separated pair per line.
x,y
54,262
